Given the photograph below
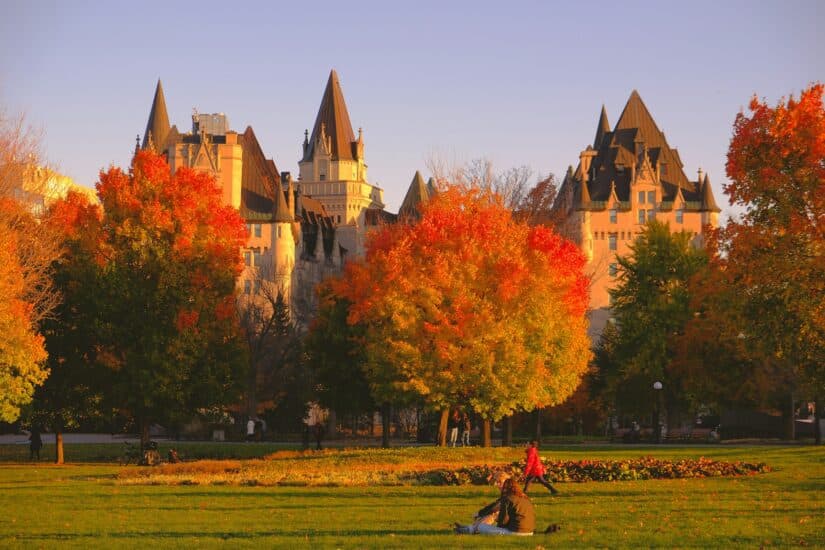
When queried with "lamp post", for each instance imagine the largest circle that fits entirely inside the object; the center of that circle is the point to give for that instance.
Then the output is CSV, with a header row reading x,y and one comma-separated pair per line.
x,y
657,388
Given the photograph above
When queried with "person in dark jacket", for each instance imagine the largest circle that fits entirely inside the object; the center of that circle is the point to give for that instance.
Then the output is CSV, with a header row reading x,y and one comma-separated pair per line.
x,y
489,514
35,443
516,515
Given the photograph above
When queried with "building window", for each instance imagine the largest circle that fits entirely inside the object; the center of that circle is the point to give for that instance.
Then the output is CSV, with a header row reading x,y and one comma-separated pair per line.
x,y
680,216
612,241
257,257
257,286
612,270
247,286
662,169
339,218
249,228
322,177
641,197
651,197
641,216
257,229
622,236
247,258
651,215
613,216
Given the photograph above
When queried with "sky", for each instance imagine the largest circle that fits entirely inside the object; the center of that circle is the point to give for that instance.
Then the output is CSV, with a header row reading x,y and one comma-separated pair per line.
x,y
520,83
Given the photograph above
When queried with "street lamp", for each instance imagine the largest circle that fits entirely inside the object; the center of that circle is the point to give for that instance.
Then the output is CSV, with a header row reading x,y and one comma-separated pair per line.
x,y
657,388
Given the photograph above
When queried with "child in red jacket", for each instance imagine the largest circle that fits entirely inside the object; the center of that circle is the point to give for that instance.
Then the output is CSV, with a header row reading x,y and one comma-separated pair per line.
x,y
534,469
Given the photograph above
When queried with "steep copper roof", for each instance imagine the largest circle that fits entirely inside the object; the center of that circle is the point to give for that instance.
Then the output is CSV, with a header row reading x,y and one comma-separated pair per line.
x,y
620,150
333,116
417,194
708,202
260,181
157,127
602,129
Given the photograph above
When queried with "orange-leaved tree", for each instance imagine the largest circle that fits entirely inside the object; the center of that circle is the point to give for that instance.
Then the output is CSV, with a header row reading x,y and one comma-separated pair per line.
x,y
768,277
167,259
469,307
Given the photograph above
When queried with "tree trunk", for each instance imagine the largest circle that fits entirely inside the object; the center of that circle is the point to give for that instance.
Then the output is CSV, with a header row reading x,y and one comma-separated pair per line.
x,y
385,424
58,446
332,424
818,420
538,426
442,428
790,421
507,440
144,434
486,439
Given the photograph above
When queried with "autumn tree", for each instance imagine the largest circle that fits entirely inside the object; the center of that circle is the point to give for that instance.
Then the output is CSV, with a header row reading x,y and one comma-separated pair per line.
x,y
27,249
772,259
73,393
167,262
651,305
469,307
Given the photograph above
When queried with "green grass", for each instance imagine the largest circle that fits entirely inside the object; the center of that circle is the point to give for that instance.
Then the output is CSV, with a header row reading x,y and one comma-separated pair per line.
x,y
84,505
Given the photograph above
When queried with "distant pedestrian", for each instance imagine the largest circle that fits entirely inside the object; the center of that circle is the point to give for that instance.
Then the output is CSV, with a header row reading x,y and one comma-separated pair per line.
x,y
250,430
35,443
319,435
455,420
465,430
534,469
305,437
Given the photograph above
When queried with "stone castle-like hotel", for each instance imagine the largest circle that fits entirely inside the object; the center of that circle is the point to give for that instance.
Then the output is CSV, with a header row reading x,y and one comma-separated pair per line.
x,y
302,231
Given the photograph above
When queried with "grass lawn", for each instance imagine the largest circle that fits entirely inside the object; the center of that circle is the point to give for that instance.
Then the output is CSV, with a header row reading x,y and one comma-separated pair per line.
x,y
86,505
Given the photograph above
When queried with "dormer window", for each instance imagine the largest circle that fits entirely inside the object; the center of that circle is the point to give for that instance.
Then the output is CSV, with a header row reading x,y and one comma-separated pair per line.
x,y
641,197
680,216
613,215
322,177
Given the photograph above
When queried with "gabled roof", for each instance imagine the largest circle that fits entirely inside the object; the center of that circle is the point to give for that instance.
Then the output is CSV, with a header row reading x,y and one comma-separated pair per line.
x,y
260,181
334,118
619,150
417,194
157,127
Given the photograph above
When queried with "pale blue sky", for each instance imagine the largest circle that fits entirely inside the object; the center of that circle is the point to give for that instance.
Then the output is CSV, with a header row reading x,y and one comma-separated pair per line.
x,y
519,82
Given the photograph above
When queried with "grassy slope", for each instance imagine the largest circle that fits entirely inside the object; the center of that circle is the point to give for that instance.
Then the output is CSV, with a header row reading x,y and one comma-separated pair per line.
x,y
82,505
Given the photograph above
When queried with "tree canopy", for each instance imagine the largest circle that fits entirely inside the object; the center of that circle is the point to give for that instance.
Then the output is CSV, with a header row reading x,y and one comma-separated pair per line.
x,y
468,306
166,258
651,305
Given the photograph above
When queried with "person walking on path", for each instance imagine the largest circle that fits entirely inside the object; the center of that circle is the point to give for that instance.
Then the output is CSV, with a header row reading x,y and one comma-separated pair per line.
x,y
36,443
466,426
455,419
534,469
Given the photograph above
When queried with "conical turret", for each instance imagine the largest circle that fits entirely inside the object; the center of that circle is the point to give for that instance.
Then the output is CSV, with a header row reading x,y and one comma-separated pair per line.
x,y
157,127
417,194
602,129
334,119
708,202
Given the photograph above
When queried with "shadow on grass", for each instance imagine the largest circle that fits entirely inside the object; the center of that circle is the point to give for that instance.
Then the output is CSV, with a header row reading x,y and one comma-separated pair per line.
x,y
229,535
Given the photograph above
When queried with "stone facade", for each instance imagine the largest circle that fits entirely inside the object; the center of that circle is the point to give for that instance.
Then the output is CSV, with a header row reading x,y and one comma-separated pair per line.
x,y
628,176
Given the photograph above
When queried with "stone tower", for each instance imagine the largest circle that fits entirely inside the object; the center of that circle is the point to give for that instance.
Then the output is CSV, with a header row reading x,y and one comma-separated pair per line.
x,y
333,169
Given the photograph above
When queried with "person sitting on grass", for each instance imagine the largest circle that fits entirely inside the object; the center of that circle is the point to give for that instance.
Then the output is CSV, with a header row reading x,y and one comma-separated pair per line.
x,y
516,515
489,514
534,469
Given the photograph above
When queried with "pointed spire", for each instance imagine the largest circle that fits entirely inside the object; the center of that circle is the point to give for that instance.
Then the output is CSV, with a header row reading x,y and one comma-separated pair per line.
x,y
602,129
157,127
333,116
417,194
708,202
431,187
282,212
